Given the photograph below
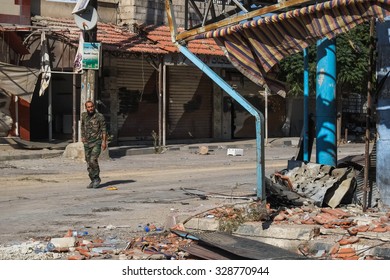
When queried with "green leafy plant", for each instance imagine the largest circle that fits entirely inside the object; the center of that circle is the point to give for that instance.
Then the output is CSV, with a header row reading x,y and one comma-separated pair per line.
x,y
351,64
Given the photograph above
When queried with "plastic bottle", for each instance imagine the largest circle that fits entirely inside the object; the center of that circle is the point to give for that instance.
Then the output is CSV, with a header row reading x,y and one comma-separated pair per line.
x,y
50,247
76,233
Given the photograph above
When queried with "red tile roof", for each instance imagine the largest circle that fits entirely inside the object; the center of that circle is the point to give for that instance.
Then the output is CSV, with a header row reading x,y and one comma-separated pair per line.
x,y
162,35
149,39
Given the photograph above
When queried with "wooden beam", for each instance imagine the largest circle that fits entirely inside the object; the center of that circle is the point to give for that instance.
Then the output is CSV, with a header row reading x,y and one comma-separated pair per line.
x,y
171,19
188,35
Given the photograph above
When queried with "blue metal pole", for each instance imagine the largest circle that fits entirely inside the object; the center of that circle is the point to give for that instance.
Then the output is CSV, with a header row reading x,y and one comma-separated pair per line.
x,y
305,105
326,151
244,103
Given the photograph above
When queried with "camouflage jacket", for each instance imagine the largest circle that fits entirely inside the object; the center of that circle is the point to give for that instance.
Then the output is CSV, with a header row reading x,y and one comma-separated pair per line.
x,y
92,127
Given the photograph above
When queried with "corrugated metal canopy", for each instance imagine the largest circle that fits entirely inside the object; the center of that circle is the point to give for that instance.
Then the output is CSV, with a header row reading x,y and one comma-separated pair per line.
x,y
255,47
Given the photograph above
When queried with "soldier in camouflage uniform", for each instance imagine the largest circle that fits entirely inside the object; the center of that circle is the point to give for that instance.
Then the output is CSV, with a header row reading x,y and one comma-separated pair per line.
x,y
94,137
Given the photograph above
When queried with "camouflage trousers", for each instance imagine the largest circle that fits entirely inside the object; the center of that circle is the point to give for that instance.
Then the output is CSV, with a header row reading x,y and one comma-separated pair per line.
x,y
92,152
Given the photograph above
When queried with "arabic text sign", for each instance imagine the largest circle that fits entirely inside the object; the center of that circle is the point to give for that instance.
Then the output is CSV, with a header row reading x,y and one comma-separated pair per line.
x,y
91,55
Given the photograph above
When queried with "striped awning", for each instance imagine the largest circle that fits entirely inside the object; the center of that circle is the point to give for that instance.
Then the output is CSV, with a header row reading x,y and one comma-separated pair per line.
x,y
255,47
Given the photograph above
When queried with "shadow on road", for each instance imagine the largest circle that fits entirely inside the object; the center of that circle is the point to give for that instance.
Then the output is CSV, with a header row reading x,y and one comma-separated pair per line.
x,y
116,182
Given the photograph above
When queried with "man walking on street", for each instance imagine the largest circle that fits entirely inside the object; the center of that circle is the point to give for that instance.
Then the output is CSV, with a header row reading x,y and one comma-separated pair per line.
x,y
94,137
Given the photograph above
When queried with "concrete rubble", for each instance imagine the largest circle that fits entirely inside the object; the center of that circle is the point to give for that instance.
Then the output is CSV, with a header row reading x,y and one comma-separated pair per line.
x,y
321,233
317,233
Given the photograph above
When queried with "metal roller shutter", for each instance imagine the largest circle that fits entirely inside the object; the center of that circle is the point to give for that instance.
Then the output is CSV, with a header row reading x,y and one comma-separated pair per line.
x,y
189,103
138,100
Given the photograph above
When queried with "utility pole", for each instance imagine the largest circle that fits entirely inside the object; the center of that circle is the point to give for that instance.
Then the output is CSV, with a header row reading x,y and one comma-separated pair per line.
x,y
89,77
85,14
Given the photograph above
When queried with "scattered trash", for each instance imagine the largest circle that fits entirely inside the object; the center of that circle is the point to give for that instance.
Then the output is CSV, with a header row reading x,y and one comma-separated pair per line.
x,y
112,188
76,233
235,152
170,221
110,227
50,247
102,250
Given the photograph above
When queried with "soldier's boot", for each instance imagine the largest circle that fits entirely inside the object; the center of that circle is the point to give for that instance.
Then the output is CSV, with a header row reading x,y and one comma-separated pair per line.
x,y
96,183
90,186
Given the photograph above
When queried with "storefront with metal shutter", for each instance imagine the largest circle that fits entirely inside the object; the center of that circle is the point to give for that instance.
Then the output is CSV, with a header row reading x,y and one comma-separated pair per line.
x,y
137,84
189,103
242,122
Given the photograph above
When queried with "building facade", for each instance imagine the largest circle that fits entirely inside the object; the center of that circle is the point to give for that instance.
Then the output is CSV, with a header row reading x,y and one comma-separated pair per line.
x,y
144,86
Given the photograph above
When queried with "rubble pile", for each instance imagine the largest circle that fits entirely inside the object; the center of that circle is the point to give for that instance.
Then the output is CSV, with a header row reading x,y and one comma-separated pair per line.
x,y
146,245
321,185
156,246
349,233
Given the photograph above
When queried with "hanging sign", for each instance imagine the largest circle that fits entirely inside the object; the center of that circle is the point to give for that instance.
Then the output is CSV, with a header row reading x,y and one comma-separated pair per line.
x,y
91,55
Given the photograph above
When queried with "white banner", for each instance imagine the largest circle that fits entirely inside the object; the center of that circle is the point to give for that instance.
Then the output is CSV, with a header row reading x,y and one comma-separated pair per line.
x,y
45,65
78,59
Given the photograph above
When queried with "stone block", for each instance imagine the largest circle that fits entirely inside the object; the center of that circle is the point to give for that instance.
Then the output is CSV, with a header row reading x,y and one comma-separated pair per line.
x,y
297,232
63,242
202,224
75,151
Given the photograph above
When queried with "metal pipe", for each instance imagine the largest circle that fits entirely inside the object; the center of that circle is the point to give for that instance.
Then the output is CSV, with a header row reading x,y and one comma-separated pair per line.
x,y
266,114
207,12
74,139
305,105
229,90
69,73
50,113
160,85
17,115
244,103
326,146
164,108
240,6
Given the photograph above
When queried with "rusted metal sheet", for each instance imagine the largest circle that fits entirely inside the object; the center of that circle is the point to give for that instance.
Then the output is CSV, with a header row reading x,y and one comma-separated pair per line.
x,y
209,254
244,247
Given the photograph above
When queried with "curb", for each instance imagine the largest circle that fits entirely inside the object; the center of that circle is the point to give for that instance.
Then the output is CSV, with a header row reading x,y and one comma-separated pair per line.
x,y
31,156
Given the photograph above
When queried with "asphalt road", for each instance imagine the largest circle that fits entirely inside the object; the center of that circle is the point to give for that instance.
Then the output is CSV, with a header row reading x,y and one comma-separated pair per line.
x,y
45,197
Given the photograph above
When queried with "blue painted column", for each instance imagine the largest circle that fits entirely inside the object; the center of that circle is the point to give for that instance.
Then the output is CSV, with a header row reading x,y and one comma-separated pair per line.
x,y
326,146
